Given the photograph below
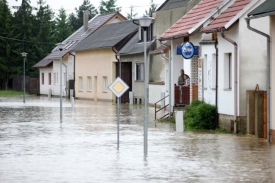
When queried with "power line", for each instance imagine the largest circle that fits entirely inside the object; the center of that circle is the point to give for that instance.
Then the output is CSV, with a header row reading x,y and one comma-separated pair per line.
x,y
25,41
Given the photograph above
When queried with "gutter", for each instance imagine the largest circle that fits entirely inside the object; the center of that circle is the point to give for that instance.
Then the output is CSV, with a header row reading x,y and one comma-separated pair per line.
x,y
235,77
170,63
216,92
74,72
267,73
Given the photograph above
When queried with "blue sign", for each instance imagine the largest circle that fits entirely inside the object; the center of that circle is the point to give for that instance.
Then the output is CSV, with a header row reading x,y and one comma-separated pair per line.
x,y
187,50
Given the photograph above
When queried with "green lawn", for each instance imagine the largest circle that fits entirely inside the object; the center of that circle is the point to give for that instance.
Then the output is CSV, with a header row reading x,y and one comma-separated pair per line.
x,y
11,93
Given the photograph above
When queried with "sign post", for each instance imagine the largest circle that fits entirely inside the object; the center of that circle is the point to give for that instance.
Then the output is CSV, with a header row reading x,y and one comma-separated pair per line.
x,y
118,87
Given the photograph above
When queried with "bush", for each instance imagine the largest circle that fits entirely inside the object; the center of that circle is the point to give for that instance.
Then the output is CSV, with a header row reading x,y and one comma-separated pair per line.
x,y
200,115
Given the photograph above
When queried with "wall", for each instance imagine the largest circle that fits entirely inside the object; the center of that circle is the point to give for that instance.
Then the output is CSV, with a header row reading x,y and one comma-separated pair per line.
x,y
252,58
272,103
95,64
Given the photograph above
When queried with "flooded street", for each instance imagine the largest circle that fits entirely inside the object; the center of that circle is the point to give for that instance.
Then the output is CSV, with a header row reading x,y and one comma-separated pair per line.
x,y
36,147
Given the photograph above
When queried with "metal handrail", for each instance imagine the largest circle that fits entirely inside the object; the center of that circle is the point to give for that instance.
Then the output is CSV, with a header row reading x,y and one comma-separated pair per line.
x,y
156,111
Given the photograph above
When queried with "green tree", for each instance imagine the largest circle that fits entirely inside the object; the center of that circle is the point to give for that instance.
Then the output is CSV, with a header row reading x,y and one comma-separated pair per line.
x,y
6,61
152,9
63,28
23,29
43,29
132,14
108,6
77,20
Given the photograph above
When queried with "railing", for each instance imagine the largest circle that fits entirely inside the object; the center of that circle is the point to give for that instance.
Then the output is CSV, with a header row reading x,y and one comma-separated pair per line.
x,y
156,111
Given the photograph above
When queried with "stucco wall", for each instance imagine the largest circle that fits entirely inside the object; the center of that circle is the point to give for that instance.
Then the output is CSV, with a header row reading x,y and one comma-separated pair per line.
x,y
253,55
272,103
95,64
55,79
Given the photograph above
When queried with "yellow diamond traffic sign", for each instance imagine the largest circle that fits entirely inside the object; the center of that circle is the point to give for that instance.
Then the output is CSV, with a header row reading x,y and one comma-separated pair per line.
x,y
118,87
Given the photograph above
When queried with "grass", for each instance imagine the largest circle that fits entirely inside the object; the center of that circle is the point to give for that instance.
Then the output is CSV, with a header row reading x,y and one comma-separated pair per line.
x,y
11,93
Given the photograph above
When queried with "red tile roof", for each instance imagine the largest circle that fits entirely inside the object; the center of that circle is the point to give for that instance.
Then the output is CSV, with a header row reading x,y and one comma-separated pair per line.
x,y
220,21
192,18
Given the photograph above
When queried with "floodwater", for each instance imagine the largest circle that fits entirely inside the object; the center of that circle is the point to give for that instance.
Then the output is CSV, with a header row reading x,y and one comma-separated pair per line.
x,y
36,147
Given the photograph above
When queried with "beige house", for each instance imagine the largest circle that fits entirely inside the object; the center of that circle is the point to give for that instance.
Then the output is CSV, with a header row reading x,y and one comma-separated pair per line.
x,y
96,60
49,67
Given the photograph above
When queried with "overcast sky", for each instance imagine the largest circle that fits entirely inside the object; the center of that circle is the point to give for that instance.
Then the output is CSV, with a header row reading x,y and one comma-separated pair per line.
x,y
139,5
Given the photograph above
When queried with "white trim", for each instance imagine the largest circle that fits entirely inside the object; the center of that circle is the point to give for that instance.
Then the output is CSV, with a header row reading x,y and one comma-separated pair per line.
x,y
234,19
211,14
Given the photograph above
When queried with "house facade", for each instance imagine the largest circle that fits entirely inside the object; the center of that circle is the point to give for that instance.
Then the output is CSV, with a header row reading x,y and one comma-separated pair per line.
x,y
267,11
96,63
235,64
165,16
49,67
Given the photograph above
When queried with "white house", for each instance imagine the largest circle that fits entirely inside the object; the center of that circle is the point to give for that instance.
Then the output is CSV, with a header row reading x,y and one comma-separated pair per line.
x,y
49,67
240,67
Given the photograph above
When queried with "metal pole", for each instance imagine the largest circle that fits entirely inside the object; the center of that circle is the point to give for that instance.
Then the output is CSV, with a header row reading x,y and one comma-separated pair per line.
x,y
145,93
24,87
60,87
170,87
118,113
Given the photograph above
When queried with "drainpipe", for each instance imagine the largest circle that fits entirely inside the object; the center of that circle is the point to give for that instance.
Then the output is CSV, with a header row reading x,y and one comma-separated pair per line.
x,y
74,72
267,74
169,60
235,77
216,101
118,60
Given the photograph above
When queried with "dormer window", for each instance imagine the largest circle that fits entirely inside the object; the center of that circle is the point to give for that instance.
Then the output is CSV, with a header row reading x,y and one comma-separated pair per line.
x,y
149,33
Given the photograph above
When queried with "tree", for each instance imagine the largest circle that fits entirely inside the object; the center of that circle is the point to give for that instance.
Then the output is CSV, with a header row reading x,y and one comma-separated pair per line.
x,y
131,15
43,29
6,61
63,28
77,21
108,6
151,10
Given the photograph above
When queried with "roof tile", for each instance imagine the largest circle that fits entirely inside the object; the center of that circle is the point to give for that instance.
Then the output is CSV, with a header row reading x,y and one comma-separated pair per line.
x,y
188,21
220,21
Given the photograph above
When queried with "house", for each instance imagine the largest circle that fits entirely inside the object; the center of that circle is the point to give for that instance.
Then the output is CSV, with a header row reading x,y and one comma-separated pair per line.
x,y
186,29
49,67
263,11
132,59
234,66
165,16
96,60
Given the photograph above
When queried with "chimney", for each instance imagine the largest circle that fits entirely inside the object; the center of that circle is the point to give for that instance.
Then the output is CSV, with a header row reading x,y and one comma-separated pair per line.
x,y
85,19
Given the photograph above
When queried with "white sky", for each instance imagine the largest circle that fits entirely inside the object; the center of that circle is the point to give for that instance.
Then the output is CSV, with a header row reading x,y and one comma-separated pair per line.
x,y
139,5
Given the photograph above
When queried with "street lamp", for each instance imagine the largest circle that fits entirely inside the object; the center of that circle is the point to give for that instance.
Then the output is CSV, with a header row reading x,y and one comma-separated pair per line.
x,y
144,22
24,54
60,47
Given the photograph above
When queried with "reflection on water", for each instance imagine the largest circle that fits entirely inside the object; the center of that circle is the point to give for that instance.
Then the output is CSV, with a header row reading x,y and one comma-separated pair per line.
x,y
35,147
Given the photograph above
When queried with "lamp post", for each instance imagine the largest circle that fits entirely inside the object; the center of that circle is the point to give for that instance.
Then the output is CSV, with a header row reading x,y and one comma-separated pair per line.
x,y
24,54
60,47
144,22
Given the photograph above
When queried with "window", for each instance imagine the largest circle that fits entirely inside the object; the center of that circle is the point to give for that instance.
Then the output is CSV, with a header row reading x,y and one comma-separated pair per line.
x,y
89,80
227,71
50,78
80,83
149,33
105,83
205,72
139,72
42,78
55,78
